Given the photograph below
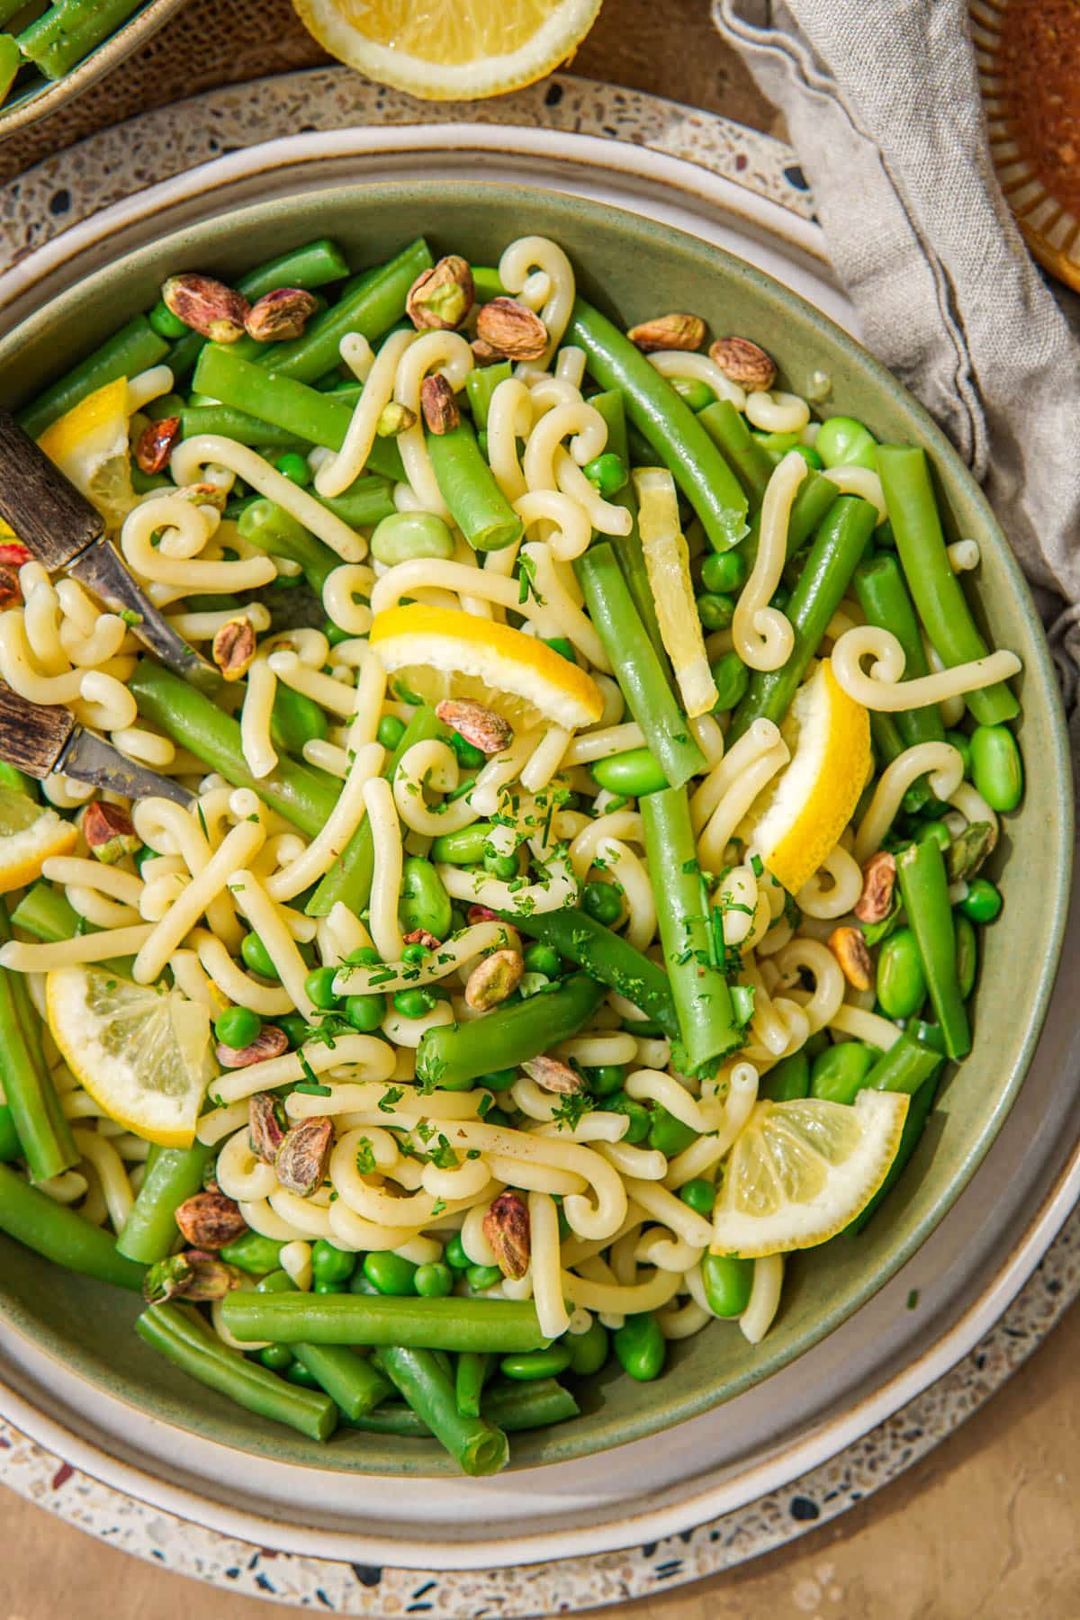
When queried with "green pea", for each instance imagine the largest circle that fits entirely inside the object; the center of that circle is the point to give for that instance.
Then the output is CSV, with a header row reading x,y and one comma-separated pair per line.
x,y
542,959
330,1264
727,1281
843,442
778,443
788,1079
165,323
641,1348
433,1280
901,981
607,472
293,466
700,1195
414,1003
481,1278
405,535
996,768
602,902
465,847
983,902
638,1115
390,731
809,455
365,1012
454,1254
334,634
497,1080
531,1364
257,957
364,956
295,1026
937,832
278,1357
732,679
237,1026
423,902
319,985
967,954
715,612
633,773
468,756
724,571
504,867
389,1273
253,1253
838,1074
962,744
696,393
588,1350
414,952
606,1080
165,405
297,1373
669,1135
564,648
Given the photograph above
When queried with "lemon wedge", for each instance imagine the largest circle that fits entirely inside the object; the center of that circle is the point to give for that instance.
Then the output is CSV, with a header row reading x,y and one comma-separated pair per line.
x,y
667,563
798,820
443,50
801,1170
89,444
445,652
29,834
142,1052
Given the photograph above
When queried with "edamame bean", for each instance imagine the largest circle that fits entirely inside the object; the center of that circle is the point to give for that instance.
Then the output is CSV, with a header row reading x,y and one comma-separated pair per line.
x,y
405,535
843,442
724,571
727,1281
967,954
365,1012
465,847
237,1026
788,1079
390,731
330,1264
588,1350
606,1080
809,455
504,867
838,1073
423,903
696,393
389,1273
641,1348
901,981
669,1135
983,902
532,1364
732,678
996,768
715,612
700,1195
633,773
602,902
257,957
607,472
433,1280
319,985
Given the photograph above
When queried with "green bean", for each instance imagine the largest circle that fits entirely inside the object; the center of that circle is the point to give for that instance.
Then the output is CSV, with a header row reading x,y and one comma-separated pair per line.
x,y
667,422
627,548
296,719
253,1253
514,1407
836,548
349,879
193,720
605,956
700,992
470,1376
465,847
238,425
589,1350
883,597
43,1131
787,1079
906,1066
967,954
843,442
996,768
901,982
633,773
10,62
476,1444
274,530
405,535
376,1319
365,502
451,1056
924,887
10,1146
727,1281
69,31
61,1235
135,347
636,665
183,1338
943,609
423,902
467,485
353,1384
814,500
918,1113
480,384
150,1231
752,465
839,1073
640,1347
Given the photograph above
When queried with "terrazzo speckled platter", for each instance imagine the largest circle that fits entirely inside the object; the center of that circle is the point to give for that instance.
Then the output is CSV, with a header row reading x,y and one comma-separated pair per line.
x,y
842,1386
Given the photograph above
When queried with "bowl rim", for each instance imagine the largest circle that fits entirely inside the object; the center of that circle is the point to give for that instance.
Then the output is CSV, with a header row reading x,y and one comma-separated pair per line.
x,y
1038,671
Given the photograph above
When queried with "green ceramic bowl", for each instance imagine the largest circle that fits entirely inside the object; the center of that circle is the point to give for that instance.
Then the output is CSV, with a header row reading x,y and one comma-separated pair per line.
x,y
635,269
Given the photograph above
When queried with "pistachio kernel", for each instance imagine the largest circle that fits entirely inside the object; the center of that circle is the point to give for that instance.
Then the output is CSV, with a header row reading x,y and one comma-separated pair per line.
x,y
511,329
668,332
850,949
420,936
479,725
266,1125
493,979
879,880
270,1042
969,850
552,1074
10,591
109,832
437,401
506,1227
209,1220
441,298
155,444
302,1159
744,363
394,419
202,495
209,307
233,647
280,315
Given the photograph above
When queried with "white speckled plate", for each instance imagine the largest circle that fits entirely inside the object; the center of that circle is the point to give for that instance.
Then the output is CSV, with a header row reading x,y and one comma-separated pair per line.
x,y
727,1485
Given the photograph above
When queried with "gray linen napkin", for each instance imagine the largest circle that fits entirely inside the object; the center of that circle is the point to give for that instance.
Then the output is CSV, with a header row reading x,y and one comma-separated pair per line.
x,y
883,106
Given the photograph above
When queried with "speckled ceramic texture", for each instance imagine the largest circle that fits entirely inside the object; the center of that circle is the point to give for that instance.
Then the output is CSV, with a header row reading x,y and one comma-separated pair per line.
x,y
560,1586
116,162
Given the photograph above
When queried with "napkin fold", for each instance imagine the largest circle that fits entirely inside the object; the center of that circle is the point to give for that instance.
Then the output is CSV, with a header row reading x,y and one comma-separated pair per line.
x,y
883,106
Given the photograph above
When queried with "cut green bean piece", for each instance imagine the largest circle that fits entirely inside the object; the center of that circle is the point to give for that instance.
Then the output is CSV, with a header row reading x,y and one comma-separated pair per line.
x,y
605,956
924,886
906,1066
751,463
43,1131
883,597
470,1376
476,1445
452,1056
499,1326
467,485
238,425
919,1110
480,384
79,29
354,1385
150,1231
135,347
627,547
59,1234
274,530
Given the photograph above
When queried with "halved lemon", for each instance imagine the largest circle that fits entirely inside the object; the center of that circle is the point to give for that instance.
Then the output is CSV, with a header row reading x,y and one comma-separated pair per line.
x,y
444,652
444,50
89,444
29,834
667,562
798,820
801,1170
141,1051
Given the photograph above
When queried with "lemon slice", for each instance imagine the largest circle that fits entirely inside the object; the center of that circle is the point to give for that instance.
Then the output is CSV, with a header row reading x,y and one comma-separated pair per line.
x,y
445,652
443,50
798,820
801,1170
89,444
667,562
29,834
141,1051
